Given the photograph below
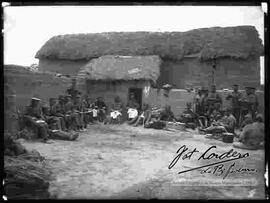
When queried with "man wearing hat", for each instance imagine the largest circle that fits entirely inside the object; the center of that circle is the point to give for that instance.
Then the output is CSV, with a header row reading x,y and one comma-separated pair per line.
x,y
249,102
235,96
252,135
35,119
101,108
56,113
72,117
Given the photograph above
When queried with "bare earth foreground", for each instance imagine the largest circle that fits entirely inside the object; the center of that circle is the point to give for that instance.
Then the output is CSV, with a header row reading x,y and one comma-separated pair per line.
x,y
120,161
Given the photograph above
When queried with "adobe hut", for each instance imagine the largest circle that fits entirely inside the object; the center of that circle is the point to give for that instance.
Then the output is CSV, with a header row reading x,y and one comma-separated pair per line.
x,y
108,76
187,58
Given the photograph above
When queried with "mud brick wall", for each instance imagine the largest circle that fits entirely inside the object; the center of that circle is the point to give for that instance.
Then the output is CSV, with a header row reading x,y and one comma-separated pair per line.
x,y
191,72
179,97
41,85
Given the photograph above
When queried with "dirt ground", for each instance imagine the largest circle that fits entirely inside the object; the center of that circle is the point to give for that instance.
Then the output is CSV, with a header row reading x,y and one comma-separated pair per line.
x,y
124,162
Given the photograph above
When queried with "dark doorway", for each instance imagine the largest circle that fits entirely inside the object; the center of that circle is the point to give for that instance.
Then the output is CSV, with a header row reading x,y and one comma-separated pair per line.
x,y
137,93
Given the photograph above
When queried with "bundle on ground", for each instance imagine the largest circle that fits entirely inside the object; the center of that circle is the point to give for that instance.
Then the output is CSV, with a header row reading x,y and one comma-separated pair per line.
x,y
26,179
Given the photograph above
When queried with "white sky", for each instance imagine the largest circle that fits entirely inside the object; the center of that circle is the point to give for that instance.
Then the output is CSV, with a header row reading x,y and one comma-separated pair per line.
x,y
26,29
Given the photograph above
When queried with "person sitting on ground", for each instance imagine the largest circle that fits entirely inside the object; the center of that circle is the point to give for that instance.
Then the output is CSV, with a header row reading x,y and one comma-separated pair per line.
x,y
225,124
167,114
116,111
229,121
55,114
189,117
252,136
101,109
247,120
132,109
34,119
145,116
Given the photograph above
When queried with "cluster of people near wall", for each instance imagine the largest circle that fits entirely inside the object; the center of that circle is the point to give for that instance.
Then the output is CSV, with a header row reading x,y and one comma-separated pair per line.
x,y
73,112
243,115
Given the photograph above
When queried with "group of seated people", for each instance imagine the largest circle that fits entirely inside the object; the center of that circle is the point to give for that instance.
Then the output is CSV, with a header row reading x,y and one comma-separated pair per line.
x,y
135,115
64,113
74,113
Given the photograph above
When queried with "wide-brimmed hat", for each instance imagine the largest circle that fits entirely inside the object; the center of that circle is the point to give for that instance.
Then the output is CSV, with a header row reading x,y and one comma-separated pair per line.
x,y
35,99
250,87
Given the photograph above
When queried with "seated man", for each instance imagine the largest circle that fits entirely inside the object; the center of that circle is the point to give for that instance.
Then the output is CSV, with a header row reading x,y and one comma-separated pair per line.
x,y
101,108
116,111
56,115
229,121
132,109
167,114
145,116
252,136
247,120
189,117
35,119
53,122
225,124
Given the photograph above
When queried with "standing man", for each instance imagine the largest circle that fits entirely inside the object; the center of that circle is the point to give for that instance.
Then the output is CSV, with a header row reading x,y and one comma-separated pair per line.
x,y
79,109
213,100
235,96
249,102
71,115
101,106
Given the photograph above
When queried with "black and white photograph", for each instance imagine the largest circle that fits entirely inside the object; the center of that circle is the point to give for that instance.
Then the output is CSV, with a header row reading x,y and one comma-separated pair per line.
x,y
134,102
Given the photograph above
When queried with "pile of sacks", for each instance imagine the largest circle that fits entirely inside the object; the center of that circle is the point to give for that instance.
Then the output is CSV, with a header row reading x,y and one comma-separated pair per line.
x,y
26,175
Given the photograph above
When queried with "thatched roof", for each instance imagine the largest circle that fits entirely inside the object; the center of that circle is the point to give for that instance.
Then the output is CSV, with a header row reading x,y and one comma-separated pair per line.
x,y
237,42
122,68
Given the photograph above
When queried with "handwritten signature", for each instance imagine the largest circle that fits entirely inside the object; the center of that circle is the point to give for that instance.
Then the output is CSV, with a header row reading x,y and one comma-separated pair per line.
x,y
217,167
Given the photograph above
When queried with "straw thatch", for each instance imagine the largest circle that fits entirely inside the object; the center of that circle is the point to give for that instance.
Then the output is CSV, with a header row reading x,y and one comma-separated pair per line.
x,y
26,179
122,68
236,42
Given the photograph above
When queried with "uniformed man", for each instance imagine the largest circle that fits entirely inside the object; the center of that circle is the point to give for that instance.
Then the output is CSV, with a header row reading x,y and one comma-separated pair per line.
x,y
35,119
248,103
71,115
235,96
189,117
57,112
101,107
252,135
60,110
213,100
79,109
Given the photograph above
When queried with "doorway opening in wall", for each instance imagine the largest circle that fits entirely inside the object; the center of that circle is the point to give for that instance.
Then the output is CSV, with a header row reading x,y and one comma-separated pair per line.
x,y
137,93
